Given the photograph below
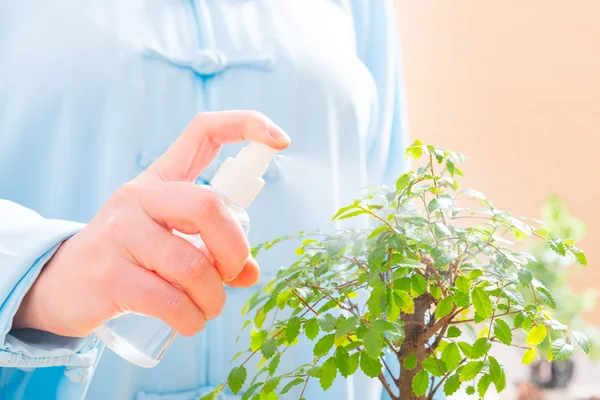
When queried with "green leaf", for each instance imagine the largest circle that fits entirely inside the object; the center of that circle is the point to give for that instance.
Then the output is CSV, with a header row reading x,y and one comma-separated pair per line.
x,y
410,362
403,181
466,348
293,329
497,374
353,363
383,326
536,335
436,292
270,386
513,296
470,390
341,361
419,284
441,230
274,364
377,231
257,338
415,150
248,393
546,296
402,284
420,383
374,302
405,302
212,395
290,385
370,366
236,378
463,284
392,310
579,255
529,356
345,209
557,246
482,302
476,273
326,322
311,328
439,203
372,343
444,307
268,348
346,326
452,385
444,260
323,346
470,370
462,299
561,350
518,321
525,277
376,258
480,347
582,341
483,385
451,356
453,332
432,365
259,319
328,373
502,332
351,214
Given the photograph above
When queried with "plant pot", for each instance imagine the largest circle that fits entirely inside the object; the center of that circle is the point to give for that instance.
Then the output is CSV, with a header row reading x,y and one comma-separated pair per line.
x,y
552,375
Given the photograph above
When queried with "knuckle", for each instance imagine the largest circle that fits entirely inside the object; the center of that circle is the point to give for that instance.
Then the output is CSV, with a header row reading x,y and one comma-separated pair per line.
x,y
252,120
127,192
174,302
210,204
113,229
190,261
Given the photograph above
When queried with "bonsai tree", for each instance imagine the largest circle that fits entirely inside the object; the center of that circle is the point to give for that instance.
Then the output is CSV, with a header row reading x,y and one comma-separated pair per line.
x,y
554,271
442,285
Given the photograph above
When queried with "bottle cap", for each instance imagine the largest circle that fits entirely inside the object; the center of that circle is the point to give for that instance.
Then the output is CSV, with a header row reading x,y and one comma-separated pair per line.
x,y
240,178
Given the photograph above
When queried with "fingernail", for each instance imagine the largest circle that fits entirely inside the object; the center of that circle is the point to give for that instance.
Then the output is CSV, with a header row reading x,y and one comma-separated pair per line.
x,y
278,134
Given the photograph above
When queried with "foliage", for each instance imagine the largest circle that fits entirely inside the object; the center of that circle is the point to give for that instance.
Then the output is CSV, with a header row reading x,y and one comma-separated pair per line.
x,y
442,287
555,271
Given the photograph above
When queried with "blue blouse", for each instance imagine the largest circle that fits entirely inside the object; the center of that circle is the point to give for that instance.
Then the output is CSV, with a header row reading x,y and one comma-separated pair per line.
x,y
92,92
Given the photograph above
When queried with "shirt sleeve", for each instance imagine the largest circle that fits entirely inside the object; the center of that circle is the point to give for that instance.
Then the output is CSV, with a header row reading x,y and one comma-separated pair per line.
x,y
27,242
378,46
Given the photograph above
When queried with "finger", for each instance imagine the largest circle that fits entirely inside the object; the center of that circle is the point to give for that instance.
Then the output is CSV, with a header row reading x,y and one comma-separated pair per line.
x,y
200,142
191,209
177,261
248,277
143,292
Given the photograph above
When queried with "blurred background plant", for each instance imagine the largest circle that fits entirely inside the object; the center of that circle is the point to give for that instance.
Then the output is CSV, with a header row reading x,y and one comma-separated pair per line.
x,y
555,273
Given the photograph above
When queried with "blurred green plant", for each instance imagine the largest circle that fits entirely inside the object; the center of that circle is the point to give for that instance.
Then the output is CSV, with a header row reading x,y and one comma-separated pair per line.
x,y
443,283
555,270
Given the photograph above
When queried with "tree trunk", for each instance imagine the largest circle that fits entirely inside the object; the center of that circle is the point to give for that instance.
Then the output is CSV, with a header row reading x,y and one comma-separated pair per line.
x,y
414,329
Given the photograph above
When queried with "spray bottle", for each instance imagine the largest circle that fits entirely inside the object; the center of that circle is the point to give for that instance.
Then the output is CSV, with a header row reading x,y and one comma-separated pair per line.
x,y
143,340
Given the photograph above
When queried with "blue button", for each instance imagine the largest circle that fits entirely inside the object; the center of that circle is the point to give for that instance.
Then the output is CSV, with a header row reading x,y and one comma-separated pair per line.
x,y
209,62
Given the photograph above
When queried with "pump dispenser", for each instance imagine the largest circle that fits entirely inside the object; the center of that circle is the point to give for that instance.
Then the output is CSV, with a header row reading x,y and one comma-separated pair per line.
x,y
143,340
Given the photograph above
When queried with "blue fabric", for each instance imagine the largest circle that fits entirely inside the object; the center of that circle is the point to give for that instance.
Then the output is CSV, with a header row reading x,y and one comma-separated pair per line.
x,y
92,92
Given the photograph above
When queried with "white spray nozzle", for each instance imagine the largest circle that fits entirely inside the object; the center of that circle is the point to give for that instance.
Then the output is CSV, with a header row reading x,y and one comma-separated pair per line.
x,y
240,178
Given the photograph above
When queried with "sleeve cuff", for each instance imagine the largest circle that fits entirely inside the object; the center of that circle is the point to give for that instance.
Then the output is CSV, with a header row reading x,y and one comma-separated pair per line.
x,y
30,348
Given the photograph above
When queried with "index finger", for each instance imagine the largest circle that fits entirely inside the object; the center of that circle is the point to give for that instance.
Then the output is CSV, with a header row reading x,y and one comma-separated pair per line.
x,y
202,139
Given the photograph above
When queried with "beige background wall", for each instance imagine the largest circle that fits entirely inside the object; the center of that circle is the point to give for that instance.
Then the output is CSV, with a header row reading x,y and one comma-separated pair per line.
x,y
514,85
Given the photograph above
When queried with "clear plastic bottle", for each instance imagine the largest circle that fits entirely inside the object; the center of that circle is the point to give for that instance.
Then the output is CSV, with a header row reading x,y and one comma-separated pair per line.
x,y
143,340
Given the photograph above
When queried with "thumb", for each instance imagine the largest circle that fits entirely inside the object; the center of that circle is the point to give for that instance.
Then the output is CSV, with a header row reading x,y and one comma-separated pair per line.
x,y
202,139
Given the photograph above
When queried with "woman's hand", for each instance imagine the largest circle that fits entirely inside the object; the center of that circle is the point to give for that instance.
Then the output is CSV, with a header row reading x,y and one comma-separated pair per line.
x,y
128,259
